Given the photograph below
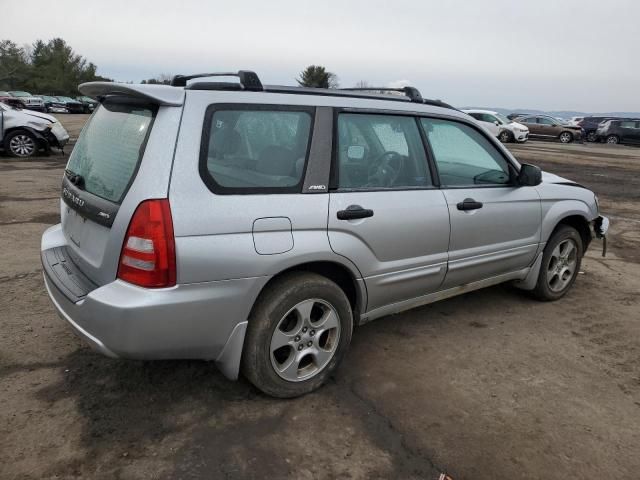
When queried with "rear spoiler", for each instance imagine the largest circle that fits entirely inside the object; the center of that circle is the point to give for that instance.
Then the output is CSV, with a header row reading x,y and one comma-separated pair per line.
x,y
158,94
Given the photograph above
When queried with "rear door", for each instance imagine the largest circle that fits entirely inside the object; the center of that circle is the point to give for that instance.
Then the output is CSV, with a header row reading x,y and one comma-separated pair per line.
x,y
495,225
123,156
533,126
385,214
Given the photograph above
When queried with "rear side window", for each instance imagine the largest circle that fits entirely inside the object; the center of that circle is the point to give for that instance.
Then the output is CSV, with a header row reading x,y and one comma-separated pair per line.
x,y
109,149
255,149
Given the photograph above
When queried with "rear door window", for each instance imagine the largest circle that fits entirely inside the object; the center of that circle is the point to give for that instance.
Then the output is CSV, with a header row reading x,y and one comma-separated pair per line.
x,y
255,149
108,151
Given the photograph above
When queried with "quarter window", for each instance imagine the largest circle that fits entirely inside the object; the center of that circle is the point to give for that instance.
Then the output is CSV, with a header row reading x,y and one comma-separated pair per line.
x,y
463,155
380,151
255,150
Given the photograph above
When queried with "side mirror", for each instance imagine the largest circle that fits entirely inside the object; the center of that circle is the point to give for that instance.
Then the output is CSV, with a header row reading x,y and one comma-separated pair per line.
x,y
529,175
496,123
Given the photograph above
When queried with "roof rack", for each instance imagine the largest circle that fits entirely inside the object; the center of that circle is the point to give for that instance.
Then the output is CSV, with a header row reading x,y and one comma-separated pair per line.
x,y
248,80
411,92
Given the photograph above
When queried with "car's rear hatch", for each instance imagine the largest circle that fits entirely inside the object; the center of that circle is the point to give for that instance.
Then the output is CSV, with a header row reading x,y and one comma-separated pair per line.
x,y
122,157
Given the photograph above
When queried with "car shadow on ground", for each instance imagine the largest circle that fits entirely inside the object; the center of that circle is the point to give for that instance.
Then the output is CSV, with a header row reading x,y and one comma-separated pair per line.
x,y
203,425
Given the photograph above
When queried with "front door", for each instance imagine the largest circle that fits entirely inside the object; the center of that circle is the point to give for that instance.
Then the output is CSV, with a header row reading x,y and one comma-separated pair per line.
x,y
385,215
495,225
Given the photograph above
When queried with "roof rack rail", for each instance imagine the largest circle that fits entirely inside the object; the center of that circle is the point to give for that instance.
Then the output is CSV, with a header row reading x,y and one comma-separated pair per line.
x,y
248,80
411,92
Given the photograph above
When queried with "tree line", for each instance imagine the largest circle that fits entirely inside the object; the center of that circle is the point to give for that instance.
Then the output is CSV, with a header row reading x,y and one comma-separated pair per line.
x,y
50,68
53,68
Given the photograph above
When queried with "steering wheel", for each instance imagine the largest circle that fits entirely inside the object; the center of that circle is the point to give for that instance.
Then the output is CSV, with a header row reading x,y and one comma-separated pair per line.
x,y
385,169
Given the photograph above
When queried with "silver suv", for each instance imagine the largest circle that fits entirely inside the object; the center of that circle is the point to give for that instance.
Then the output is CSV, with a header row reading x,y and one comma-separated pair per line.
x,y
256,226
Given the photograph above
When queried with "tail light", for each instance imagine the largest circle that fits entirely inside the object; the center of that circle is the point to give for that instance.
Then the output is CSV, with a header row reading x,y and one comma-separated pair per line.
x,y
148,257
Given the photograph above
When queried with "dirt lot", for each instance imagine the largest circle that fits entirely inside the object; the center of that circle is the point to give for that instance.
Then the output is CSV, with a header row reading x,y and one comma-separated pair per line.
x,y
491,385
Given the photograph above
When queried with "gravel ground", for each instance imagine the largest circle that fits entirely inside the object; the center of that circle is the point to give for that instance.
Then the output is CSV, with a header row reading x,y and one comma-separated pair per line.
x,y
489,385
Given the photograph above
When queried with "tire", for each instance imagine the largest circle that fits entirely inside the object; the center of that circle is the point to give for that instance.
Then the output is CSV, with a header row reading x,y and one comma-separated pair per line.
x,y
565,137
278,318
592,136
505,136
556,275
613,139
21,143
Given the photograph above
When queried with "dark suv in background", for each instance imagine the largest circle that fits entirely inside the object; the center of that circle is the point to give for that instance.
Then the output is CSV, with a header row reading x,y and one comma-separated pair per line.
x,y
619,131
590,125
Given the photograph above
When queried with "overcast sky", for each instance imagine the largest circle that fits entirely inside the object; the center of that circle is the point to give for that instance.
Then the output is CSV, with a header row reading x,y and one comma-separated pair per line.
x,y
569,54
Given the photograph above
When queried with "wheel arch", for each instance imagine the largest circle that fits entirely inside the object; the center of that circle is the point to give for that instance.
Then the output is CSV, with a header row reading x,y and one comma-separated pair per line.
x,y
580,223
346,278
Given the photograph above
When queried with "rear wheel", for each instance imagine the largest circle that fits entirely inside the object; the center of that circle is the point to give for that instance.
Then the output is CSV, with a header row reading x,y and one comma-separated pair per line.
x,y
592,136
21,143
560,264
299,330
566,137
613,139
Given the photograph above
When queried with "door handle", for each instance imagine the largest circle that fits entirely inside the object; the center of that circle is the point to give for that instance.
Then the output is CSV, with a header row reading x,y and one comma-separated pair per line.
x,y
469,204
354,212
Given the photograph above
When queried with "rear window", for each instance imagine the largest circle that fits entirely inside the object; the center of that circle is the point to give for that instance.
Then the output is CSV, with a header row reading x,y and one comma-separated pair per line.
x,y
255,149
109,149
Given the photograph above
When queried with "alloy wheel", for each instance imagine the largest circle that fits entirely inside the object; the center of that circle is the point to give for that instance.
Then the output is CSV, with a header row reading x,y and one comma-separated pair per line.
x,y
565,137
22,145
305,340
562,265
612,139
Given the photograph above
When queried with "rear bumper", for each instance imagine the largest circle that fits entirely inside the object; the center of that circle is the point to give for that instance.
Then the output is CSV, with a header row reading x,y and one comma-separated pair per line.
x,y
120,320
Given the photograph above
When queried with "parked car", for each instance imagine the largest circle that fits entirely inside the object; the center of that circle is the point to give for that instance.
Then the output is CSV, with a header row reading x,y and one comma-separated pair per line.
x,y
513,116
73,106
24,132
575,120
31,102
501,127
53,104
545,126
6,98
590,125
88,103
257,226
619,131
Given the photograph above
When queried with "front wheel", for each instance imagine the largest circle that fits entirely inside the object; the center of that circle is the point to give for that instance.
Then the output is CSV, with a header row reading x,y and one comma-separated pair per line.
x,y
21,143
560,264
566,137
613,139
299,330
592,137
505,136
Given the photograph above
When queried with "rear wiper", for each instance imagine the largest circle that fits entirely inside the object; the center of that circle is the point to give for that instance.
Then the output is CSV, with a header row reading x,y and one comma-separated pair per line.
x,y
74,178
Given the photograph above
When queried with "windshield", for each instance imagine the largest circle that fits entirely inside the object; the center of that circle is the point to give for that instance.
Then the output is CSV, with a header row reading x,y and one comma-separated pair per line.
x,y
20,94
502,118
110,146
